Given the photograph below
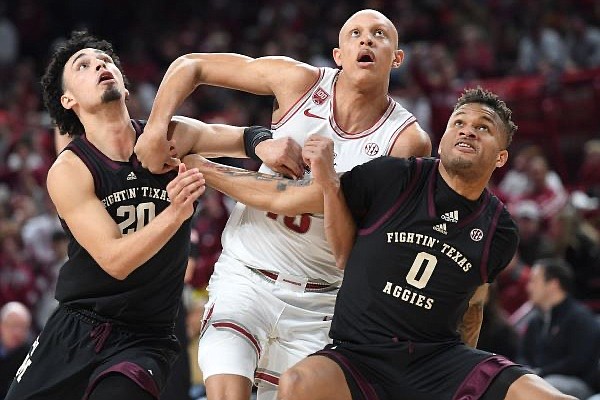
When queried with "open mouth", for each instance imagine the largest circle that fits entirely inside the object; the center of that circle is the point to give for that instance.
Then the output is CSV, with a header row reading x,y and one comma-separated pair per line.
x,y
366,57
465,145
105,76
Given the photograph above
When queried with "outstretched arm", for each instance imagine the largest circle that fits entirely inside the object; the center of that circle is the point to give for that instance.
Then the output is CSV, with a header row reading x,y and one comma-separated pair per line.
x,y
190,136
263,191
471,323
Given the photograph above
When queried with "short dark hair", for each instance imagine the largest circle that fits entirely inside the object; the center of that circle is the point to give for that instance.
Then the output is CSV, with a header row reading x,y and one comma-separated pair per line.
x,y
53,85
490,99
559,269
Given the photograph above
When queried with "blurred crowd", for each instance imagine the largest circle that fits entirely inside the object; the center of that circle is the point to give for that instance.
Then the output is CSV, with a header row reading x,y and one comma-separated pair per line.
x,y
448,45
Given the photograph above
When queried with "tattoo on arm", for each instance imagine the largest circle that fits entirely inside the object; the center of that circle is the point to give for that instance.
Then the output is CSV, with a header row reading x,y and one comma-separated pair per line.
x,y
282,182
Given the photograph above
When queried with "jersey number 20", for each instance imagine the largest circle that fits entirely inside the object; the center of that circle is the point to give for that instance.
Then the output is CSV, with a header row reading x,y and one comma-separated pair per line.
x,y
136,217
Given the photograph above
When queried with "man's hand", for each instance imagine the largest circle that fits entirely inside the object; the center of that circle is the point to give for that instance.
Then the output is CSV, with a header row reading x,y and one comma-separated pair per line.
x,y
318,155
282,155
187,186
154,151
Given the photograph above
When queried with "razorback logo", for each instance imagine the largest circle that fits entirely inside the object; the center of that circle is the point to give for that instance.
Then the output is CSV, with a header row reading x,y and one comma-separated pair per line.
x,y
319,96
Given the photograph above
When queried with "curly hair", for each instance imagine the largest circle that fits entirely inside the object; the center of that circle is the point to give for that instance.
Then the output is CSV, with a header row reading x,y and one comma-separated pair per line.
x,y
53,85
479,95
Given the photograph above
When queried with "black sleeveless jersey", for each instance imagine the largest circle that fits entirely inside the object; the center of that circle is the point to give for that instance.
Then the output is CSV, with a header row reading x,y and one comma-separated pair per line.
x,y
132,196
421,251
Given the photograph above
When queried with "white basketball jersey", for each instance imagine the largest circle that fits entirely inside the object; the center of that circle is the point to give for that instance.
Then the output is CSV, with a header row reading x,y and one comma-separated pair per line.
x,y
297,245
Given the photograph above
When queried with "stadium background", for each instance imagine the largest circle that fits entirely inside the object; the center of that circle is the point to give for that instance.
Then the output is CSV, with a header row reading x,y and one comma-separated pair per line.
x,y
541,56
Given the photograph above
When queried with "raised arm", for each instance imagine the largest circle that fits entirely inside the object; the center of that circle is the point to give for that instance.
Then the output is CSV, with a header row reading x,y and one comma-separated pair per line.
x,y
471,323
340,228
285,78
263,191
97,232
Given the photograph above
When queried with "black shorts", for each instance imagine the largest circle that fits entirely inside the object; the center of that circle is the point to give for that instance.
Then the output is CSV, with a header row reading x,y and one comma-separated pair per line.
x,y
77,348
446,371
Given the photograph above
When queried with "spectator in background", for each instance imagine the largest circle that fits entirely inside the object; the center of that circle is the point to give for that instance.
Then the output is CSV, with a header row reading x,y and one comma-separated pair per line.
x,y
15,324
578,243
588,176
562,342
541,49
497,335
511,284
47,283
550,199
514,183
475,56
583,41
534,243
208,226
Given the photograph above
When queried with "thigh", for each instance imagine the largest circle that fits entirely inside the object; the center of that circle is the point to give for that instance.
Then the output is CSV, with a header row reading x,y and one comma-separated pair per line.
x,y
298,333
145,359
119,387
59,363
316,378
237,326
451,371
531,386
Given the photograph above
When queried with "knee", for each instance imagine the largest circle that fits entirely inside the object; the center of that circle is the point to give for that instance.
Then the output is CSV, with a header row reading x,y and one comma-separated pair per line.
x,y
291,386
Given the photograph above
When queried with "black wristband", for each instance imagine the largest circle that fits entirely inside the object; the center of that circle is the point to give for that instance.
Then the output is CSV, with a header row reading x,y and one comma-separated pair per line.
x,y
253,135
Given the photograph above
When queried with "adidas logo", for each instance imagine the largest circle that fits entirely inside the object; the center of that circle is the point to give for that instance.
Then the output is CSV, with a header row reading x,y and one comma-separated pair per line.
x,y
450,216
131,176
441,228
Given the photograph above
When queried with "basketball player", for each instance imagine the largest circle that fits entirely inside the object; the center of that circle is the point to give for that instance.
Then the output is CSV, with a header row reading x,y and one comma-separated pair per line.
x,y
119,291
425,239
274,286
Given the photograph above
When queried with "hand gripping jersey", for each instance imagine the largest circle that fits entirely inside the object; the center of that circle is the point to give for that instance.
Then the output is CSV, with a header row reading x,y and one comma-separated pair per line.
x,y
420,253
297,245
133,197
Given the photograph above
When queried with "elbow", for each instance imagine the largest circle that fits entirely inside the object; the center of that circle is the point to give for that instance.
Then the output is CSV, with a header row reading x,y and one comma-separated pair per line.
x,y
114,267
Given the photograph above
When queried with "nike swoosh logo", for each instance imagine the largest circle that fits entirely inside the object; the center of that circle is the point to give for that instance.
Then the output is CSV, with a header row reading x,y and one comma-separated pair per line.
x,y
309,114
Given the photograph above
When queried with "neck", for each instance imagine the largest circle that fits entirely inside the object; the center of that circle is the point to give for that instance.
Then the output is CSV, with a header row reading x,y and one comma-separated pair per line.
x,y
467,187
357,105
109,129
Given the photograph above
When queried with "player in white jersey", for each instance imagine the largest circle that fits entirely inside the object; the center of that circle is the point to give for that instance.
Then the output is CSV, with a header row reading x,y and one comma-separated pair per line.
x,y
273,289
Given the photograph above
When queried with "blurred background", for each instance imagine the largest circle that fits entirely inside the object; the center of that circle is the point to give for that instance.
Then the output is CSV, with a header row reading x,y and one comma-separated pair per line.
x,y
541,56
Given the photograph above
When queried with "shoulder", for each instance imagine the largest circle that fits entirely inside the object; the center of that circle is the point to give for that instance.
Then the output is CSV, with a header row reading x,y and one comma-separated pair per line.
x,y
68,167
413,141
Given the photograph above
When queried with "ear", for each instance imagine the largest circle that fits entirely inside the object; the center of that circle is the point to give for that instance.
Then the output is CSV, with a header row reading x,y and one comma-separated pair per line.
x,y
67,101
337,56
126,94
502,158
398,58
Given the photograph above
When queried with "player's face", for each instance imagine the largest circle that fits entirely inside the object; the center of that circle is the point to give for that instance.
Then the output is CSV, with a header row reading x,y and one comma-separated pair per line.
x,y
474,141
90,78
368,41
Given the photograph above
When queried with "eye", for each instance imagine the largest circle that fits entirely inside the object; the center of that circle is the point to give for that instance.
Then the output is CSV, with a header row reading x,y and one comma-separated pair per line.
x,y
379,32
83,65
354,33
483,128
458,122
